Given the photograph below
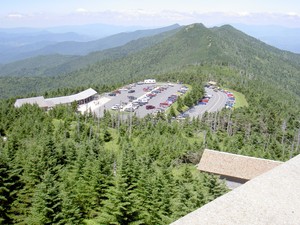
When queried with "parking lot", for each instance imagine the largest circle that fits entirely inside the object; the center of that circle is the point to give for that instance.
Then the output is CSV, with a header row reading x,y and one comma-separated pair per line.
x,y
130,99
216,102
120,102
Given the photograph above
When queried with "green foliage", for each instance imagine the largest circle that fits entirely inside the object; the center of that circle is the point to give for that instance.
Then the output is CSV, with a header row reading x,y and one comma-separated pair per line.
x,y
170,51
59,167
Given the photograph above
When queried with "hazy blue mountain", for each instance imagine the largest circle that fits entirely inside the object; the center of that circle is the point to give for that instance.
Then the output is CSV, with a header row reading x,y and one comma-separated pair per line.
x,y
55,64
15,47
280,37
83,48
95,30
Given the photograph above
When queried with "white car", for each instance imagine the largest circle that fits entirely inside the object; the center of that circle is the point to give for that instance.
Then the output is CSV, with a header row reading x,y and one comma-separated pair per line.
x,y
117,106
129,109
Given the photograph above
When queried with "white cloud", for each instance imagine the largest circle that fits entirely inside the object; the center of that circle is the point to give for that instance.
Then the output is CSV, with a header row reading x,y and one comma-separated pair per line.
x,y
142,17
244,14
15,15
82,10
293,14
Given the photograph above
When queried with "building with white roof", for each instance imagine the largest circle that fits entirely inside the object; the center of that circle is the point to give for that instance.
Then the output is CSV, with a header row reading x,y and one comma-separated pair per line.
x,y
81,98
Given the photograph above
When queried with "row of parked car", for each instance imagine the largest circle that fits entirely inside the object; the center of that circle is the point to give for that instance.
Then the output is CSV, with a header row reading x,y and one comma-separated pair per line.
x,y
205,99
230,100
135,102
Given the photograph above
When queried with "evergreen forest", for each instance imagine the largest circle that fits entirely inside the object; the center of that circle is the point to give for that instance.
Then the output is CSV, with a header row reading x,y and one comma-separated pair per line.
x,y
61,167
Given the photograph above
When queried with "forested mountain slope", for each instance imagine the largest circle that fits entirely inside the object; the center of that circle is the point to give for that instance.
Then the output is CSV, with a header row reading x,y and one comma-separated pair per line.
x,y
52,65
170,51
197,45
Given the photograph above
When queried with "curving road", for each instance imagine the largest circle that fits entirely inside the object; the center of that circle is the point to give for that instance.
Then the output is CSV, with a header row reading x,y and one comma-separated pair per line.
x,y
216,103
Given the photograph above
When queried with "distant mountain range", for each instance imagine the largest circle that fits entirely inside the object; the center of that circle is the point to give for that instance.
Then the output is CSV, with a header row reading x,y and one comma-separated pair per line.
x,y
280,37
23,43
47,64
15,46
172,50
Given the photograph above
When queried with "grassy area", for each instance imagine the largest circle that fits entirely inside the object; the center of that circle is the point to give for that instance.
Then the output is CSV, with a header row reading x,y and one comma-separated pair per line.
x,y
240,100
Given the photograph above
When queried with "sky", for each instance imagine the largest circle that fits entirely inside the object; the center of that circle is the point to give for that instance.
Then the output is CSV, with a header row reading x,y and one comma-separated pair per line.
x,y
148,13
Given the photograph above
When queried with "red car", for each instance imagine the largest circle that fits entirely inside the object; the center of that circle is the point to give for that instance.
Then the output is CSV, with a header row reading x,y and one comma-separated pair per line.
x,y
150,107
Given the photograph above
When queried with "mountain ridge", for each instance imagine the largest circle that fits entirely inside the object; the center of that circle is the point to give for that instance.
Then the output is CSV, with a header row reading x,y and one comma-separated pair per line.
x,y
60,43
189,45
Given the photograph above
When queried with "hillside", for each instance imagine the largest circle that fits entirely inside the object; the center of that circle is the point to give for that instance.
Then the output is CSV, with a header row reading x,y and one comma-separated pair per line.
x,y
197,45
170,51
59,63
20,44
61,167
83,48
24,47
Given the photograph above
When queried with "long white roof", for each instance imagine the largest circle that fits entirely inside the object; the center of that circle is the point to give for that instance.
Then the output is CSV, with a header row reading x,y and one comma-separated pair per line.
x,y
40,101
50,102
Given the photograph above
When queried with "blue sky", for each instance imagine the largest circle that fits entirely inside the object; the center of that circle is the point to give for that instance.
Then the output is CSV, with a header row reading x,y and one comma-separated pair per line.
x,y
38,13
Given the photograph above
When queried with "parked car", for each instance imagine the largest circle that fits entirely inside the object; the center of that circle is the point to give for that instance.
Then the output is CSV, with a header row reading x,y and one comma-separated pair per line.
x,y
129,109
164,104
112,94
150,107
117,106
131,97
131,91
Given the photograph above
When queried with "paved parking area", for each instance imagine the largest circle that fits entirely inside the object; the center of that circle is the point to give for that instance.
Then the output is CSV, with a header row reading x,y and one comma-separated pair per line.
x,y
216,103
141,111
106,102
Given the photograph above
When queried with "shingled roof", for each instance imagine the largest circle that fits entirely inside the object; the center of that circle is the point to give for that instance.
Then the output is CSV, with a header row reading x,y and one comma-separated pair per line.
x,y
271,198
232,165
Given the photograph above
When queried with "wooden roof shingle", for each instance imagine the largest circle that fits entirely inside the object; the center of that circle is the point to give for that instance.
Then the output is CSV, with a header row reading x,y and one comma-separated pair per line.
x,y
232,165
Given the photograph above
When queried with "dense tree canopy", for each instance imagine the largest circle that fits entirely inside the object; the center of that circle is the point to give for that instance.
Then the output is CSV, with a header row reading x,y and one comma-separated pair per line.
x,y
60,167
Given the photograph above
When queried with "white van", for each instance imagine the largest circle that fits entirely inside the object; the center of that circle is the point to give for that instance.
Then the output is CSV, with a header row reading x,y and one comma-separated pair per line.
x,y
150,81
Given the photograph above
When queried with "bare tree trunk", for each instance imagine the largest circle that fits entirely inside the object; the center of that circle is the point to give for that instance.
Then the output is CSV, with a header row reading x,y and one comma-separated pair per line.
x,y
115,168
130,123
298,141
204,138
229,123
215,122
90,136
283,127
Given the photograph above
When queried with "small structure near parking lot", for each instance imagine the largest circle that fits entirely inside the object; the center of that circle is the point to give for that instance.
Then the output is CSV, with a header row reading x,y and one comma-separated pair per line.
x,y
212,83
150,81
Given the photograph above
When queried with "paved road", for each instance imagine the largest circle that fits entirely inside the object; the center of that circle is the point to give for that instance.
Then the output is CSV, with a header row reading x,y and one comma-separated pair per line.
x,y
216,103
141,111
